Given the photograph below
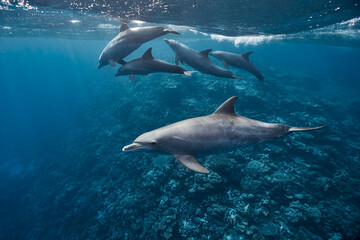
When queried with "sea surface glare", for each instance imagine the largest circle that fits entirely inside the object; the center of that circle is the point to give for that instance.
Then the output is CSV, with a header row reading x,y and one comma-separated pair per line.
x,y
64,122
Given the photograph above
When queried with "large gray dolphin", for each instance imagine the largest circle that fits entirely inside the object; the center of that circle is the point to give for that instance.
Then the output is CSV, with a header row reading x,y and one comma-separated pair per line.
x,y
127,41
148,64
198,60
238,60
223,128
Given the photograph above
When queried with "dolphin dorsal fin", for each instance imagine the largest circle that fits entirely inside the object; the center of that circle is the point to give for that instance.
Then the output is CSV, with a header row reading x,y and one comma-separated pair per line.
x,y
124,27
148,54
227,107
246,55
206,52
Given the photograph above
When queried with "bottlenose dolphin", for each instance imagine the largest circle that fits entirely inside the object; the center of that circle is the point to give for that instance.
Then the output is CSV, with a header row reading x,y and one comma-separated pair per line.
x,y
148,64
238,60
198,60
127,41
223,128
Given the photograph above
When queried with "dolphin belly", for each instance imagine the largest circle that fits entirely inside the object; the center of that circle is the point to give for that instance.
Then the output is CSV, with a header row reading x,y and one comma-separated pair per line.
x,y
240,61
247,66
161,66
118,50
204,65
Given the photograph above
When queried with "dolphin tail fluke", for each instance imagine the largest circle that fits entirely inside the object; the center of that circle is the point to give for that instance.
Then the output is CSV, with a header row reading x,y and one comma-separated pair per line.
x,y
171,31
189,73
300,129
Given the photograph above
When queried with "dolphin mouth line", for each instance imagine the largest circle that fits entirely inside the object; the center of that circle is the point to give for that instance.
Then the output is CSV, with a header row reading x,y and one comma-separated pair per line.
x,y
133,147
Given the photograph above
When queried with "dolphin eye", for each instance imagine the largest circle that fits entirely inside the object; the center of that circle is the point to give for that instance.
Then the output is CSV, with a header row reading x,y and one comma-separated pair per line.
x,y
153,143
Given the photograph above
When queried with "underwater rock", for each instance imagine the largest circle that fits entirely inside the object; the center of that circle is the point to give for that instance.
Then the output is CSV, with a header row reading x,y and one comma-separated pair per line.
x,y
221,163
313,212
293,215
256,167
258,236
250,185
280,177
303,233
336,236
268,229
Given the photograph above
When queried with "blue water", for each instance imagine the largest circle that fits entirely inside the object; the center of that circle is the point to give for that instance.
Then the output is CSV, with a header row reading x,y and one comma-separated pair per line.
x,y
63,124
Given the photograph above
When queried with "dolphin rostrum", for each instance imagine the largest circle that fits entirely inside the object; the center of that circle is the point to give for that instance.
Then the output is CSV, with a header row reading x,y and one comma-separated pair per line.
x,y
223,128
127,41
239,61
148,64
198,60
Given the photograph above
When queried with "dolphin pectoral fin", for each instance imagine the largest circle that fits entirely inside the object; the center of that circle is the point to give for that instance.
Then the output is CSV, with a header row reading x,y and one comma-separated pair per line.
x,y
225,64
132,78
191,163
234,76
177,58
112,63
189,73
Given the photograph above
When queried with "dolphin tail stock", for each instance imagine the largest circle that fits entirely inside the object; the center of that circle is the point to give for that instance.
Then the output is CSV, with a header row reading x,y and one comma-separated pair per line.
x,y
189,73
301,129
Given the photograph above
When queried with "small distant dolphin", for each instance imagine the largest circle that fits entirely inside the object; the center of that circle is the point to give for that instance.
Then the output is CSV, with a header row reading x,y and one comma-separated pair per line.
x,y
223,128
238,60
198,60
148,64
127,41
